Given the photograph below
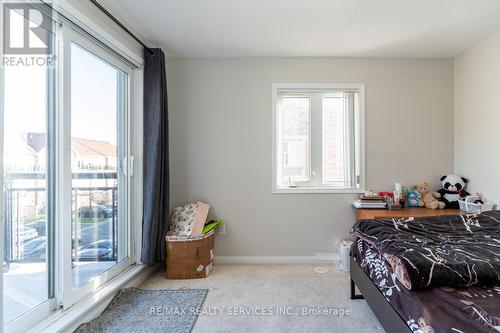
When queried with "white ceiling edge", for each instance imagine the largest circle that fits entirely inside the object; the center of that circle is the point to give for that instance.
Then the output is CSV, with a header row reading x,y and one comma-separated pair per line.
x,y
466,48
171,51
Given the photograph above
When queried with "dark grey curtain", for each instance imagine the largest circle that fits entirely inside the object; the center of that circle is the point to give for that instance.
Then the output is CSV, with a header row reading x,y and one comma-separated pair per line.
x,y
156,171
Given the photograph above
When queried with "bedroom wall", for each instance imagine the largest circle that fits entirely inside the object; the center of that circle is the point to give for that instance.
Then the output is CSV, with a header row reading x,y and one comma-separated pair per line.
x,y
477,116
220,123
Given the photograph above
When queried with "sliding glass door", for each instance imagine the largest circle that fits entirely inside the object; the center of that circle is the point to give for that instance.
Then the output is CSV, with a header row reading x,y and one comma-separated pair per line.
x,y
98,90
27,104
25,189
65,180
94,163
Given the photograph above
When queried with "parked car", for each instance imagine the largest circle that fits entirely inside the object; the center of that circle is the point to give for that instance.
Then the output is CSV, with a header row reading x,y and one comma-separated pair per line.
x,y
111,208
102,250
40,226
97,211
35,248
26,233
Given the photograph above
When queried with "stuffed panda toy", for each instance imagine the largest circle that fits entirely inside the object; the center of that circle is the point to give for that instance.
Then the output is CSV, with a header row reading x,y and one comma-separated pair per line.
x,y
453,189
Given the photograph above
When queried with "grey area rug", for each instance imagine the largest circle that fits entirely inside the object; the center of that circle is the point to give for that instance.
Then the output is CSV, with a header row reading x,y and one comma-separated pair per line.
x,y
140,311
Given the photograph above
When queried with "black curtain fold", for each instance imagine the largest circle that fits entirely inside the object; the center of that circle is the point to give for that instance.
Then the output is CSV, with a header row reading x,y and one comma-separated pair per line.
x,y
156,163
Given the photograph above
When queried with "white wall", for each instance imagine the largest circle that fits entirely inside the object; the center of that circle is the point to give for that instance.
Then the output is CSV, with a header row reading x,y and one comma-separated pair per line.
x,y
477,116
220,122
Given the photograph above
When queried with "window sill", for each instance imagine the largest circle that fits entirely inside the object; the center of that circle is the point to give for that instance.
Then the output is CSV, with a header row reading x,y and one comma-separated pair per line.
x,y
317,190
62,321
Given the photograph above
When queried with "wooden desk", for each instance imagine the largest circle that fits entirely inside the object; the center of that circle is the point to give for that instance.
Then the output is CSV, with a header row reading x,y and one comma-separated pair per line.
x,y
362,214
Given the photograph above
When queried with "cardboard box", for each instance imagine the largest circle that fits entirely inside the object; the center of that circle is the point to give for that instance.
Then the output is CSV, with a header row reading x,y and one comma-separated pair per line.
x,y
190,258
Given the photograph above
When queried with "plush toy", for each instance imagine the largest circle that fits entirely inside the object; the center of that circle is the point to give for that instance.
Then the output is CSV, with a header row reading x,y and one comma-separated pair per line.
x,y
429,199
413,198
453,190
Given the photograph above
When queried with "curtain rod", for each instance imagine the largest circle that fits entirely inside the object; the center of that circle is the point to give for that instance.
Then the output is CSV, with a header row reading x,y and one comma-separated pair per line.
x,y
108,14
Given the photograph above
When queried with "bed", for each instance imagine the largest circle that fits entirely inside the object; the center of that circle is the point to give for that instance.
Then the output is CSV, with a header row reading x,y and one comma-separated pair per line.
x,y
426,304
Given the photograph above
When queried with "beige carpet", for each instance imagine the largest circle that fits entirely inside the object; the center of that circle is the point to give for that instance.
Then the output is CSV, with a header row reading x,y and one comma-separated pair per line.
x,y
247,298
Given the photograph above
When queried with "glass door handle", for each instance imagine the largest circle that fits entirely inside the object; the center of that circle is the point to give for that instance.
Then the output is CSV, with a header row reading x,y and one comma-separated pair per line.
x,y
132,159
126,166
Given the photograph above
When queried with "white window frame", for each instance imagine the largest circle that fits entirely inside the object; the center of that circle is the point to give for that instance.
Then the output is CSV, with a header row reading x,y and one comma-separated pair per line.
x,y
65,293
316,134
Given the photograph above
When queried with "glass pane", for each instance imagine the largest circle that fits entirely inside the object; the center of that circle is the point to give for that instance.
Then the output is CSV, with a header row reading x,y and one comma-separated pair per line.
x,y
295,139
25,268
97,95
334,154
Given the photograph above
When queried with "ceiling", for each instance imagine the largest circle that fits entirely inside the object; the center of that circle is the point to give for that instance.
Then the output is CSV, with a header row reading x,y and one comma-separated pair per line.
x,y
309,28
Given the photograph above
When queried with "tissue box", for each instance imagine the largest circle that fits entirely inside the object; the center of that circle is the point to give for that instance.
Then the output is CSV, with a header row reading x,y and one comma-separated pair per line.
x,y
190,258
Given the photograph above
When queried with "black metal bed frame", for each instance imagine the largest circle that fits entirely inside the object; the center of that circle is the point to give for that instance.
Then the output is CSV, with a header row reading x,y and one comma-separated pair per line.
x,y
386,314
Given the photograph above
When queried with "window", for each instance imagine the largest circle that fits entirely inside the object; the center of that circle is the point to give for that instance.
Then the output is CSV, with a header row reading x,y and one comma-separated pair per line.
x,y
318,133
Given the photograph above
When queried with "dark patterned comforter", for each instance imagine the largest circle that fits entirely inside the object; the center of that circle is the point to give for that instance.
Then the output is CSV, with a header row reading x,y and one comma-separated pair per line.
x,y
452,250
437,309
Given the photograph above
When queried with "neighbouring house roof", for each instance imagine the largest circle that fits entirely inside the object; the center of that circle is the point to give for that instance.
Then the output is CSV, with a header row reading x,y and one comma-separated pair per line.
x,y
82,147
93,148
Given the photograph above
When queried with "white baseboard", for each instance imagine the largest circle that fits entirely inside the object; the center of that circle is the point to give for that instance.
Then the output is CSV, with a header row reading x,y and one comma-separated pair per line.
x,y
327,256
268,260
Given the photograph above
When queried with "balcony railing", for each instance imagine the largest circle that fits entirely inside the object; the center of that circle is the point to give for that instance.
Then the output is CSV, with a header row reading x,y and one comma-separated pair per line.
x,y
94,216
